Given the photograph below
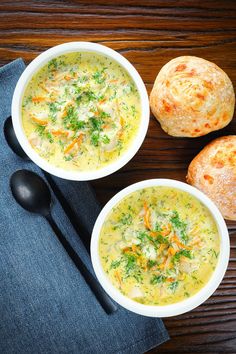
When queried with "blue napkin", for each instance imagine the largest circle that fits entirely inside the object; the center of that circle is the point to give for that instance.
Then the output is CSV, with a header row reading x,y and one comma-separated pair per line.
x,y
45,304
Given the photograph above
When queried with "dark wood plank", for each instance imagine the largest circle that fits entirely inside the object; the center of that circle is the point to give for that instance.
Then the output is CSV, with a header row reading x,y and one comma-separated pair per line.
x,y
148,33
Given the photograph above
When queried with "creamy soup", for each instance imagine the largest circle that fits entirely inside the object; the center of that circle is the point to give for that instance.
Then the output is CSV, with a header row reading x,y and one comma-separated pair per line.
x,y
159,245
81,111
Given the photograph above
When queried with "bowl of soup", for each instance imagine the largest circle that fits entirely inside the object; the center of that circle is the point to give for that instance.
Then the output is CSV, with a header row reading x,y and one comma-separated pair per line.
x,y
160,247
80,111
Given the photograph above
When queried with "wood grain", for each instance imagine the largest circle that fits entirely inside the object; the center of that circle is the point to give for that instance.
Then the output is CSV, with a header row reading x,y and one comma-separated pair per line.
x,y
148,33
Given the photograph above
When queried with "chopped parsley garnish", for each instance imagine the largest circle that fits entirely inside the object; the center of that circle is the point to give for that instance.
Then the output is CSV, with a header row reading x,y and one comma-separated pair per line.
x,y
40,129
83,79
80,124
84,96
155,240
53,109
104,115
138,276
26,100
175,219
133,110
161,239
71,117
213,252
151,263
142,236
130,263
79,99
157,227
43,133
180,225
49,136
96,124
53,64
173,286
115,264
61,143
105,139
90,95
71,120
157,279
77,89
98,77
96,128
68,157
185,253
95,138
184,237
126,219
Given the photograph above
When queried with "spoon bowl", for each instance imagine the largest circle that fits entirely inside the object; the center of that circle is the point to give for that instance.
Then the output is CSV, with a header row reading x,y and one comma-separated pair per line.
x,y
31,192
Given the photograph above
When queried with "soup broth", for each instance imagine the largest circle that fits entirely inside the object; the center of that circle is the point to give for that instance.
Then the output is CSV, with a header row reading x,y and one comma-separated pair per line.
x,y
159,245
81,111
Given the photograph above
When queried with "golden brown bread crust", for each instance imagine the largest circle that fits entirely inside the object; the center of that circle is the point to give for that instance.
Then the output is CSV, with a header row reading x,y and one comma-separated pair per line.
x,y
192,97
213,171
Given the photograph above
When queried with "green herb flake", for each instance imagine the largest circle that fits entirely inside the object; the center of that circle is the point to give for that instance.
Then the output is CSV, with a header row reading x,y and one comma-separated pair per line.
x,y
161,239
68,157
95,138
96,124
104,115
53,109
214,253
185,253
115,264
156,279
43,133
176,221
130,263
126,219
98,77
105,139
151,263
173,286
49,136
40,130
180,225
157,227
90,95
53,64
142,236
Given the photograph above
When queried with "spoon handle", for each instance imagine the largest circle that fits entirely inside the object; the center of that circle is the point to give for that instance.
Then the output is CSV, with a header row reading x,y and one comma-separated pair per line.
x,y
102,297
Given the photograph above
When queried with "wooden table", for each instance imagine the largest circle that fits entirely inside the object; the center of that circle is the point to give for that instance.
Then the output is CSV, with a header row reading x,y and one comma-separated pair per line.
x,y
148,33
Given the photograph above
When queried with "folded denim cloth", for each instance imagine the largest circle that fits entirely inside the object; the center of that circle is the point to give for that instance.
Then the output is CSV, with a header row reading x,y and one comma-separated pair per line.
x,y
45,304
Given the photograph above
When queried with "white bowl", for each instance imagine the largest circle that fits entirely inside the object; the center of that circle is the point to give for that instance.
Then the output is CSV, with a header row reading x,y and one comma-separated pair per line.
x,y
40,61
179,307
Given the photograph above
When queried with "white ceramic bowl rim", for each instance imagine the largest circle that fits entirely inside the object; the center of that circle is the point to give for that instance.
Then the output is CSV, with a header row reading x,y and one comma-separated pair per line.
x,y
40,61
185,305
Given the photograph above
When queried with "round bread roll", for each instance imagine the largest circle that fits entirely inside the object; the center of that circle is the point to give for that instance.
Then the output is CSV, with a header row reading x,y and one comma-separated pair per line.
x,y
213,171
192,97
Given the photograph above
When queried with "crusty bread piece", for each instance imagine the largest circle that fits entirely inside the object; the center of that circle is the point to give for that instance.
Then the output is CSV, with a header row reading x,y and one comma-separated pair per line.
x,y
213,171
192,97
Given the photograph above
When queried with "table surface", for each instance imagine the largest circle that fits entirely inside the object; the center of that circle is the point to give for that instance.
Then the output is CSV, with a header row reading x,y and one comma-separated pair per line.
x,y
148,33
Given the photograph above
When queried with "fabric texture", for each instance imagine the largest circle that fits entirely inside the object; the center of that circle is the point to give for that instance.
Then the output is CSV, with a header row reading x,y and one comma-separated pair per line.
x,y
45,304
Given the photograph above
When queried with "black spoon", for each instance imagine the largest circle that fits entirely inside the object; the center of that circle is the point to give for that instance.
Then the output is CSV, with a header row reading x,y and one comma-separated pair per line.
x,y
33,194
13,143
